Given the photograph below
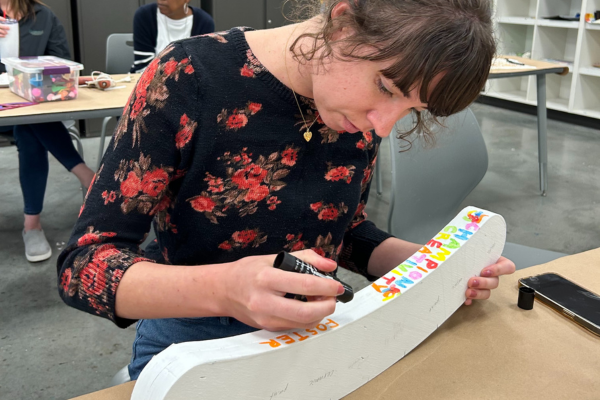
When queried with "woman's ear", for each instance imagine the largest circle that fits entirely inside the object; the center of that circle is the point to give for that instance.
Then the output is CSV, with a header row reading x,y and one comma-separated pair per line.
x,y
340,9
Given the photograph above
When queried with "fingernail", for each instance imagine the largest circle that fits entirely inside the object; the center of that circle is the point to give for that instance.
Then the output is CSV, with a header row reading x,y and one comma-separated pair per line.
x,y
475,283
340,290
487,272
473,293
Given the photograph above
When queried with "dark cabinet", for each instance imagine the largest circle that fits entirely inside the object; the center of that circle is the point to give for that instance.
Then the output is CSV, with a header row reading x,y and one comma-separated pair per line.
x,y
278,13
62,9
231,13
193,3
97,20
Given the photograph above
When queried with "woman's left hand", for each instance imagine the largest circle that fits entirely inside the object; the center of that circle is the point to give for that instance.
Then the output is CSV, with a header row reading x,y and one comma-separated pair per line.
x,y
480,287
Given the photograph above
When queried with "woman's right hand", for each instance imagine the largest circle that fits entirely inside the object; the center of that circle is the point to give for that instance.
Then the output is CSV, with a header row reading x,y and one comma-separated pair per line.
x,y
3,28
255,296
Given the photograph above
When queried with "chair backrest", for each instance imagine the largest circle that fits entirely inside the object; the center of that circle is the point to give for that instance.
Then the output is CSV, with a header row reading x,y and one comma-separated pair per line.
x,y
119,53
429,185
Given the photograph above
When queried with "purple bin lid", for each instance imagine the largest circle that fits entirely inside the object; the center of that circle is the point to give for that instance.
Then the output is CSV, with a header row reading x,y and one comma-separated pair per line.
x,y
54,69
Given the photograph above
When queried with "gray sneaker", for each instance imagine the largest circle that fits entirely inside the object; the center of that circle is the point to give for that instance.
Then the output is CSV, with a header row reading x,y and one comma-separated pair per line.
x,y
37,247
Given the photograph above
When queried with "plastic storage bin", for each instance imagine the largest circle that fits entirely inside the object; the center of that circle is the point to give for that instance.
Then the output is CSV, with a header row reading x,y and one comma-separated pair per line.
x,y
44,78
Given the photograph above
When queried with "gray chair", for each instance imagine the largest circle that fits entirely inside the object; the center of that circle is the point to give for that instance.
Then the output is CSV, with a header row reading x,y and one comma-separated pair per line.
x,y
429,185
119,59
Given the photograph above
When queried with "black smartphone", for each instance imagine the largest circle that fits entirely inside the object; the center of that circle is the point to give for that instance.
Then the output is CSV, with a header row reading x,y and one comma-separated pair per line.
x,y
566,297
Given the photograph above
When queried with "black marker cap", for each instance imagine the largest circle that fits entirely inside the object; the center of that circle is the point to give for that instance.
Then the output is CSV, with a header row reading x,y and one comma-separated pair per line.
x,y
348,292
287,262
526,297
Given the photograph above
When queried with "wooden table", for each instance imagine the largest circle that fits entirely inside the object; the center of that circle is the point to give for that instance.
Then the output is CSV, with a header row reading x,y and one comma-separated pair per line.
x,y
90,103
491,350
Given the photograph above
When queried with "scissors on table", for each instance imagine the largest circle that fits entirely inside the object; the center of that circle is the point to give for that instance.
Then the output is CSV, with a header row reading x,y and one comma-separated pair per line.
x,y
10,106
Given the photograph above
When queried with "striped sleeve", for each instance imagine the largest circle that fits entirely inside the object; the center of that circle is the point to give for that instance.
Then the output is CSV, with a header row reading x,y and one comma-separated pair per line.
x,y
144,41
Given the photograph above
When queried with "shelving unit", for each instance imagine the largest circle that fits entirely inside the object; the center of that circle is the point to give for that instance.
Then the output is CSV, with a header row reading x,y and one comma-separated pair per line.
x,y
521,28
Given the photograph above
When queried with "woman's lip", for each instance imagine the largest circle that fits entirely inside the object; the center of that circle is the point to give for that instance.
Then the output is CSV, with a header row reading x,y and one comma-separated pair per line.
x,y
349,126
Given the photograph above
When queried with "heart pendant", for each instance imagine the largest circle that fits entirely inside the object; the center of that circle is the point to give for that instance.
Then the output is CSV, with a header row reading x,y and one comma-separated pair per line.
x,y
307,135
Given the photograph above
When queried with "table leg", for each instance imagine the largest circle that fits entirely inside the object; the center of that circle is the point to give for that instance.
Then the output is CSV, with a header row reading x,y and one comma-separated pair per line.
x,y
542,116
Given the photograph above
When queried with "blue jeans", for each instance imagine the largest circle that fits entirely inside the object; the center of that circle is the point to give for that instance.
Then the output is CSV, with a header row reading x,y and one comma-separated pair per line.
x,y
155,335
33,143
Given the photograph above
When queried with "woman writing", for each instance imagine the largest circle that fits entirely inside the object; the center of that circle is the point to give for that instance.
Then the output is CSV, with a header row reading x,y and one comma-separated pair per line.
x,y
241,144
34,141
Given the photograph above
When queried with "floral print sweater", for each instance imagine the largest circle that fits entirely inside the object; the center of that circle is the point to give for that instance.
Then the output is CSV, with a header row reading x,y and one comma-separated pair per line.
x,y
210,151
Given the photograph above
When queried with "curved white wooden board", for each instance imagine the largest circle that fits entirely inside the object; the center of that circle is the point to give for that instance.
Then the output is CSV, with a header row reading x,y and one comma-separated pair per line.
x,y
356,343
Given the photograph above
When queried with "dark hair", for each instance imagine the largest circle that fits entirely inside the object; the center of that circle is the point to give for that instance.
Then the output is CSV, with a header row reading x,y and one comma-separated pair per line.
x,y
24,8
426,38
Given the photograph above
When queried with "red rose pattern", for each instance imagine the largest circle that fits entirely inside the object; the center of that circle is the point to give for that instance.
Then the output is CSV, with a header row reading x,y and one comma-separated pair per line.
x,y
249,177
366,143
243,239
359,216
340,173
237,121
94,237
131,186
109,197
328,212
322,246
247,72
272,202
65,280
257,193
202,204
254,108
289,157
186,131
249,181
368,172
170,67
252,66
238,117
154,182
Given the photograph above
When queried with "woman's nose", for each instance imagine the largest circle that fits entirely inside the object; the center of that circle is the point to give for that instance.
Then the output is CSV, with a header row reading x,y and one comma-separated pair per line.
x,y
383,121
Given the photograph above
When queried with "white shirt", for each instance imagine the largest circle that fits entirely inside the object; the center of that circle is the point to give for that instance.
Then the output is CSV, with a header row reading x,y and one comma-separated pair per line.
x,y
170,30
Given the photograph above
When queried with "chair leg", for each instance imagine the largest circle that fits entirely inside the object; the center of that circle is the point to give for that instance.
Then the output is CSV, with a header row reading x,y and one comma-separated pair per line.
x,y
77,138
121,377
102,139
378,177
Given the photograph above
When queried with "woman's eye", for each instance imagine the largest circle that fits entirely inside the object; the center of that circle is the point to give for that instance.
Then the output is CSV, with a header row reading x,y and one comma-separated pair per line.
x,y
382,88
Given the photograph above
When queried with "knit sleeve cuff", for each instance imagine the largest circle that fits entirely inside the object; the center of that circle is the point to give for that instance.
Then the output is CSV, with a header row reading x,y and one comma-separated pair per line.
x,y
359,244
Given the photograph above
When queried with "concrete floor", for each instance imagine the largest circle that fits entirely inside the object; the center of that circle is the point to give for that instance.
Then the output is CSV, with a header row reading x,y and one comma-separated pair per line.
x,y
50,351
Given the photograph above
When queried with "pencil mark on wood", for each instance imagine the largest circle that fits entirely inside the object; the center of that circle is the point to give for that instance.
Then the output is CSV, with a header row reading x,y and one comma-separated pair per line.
x,y
456,284
434,304
356,363
322,377
277,393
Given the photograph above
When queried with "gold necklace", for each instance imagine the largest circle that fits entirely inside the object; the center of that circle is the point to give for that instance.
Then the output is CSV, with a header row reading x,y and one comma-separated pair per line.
x,y
308,134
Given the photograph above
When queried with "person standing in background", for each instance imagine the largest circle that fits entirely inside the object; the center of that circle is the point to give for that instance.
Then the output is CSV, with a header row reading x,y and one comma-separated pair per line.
x,y
158,24
41,34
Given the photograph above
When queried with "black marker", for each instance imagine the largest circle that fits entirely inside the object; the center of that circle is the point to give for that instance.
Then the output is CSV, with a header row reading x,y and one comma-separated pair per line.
x,y
287,262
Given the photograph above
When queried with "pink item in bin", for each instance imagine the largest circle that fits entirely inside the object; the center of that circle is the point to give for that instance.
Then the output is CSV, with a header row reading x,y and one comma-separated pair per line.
x,y
44,78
